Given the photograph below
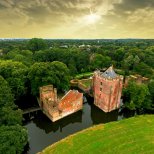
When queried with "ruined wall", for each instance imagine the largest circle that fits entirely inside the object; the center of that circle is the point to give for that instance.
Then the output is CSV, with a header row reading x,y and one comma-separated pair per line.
x,y
107,92
136,78
48,98
72,101
56,109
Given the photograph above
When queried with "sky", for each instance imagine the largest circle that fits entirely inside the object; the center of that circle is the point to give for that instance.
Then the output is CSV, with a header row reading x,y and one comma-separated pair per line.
x,y
82,19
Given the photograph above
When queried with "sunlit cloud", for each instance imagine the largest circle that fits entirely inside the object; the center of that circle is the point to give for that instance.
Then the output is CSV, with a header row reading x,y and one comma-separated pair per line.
x,y
77,18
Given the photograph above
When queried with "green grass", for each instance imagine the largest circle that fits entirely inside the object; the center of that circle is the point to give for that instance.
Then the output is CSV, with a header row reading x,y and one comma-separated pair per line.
x,y
84,75
86,83
130,136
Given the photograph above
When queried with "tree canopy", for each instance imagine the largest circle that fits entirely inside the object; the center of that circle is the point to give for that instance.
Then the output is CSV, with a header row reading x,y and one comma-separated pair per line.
x,y
15,74
12,139
36,44
45,73
13,136
24,56
6,97
99,61
136,96
9,114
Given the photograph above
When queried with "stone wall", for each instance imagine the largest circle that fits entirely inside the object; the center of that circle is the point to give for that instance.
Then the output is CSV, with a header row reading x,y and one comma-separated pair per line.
x,y
56,108
136,78
107,92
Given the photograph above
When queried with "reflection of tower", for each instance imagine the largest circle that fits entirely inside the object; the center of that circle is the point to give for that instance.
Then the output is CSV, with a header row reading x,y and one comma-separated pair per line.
x,y
98,116
107,89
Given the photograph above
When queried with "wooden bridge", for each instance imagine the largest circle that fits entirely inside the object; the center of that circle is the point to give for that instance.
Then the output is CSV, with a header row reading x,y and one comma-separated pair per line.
x,y
32,109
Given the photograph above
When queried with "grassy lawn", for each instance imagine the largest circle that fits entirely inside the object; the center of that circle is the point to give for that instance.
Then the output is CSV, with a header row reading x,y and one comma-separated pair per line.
x,y
86,83
134,136
84,75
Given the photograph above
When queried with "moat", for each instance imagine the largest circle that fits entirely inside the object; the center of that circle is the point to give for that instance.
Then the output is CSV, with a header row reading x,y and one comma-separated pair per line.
x,y
42,132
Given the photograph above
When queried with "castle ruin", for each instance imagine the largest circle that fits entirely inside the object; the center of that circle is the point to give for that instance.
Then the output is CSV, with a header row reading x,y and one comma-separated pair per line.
x,y
56,108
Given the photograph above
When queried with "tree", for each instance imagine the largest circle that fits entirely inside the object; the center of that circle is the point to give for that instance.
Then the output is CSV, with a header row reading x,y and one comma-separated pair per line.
x,y
12,139
72,67
45,73
36,44
15,74
24,56
98,61
9,114
6,97
82,61
151,90
136,96
144,69
149,56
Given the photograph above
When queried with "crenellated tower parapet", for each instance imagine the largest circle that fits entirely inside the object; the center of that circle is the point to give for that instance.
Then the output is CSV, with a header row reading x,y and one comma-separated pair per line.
x,y
107,89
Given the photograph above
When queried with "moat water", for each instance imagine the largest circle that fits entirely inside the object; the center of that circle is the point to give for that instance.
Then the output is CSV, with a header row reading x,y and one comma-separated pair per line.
x,y
42,132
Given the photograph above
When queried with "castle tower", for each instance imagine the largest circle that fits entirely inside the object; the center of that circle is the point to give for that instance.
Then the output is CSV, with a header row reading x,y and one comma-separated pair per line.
x,y
107,89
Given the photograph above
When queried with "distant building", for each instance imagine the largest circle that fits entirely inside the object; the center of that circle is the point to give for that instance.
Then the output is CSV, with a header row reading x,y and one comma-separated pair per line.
x,y
82,46
64,46
85,47
107,89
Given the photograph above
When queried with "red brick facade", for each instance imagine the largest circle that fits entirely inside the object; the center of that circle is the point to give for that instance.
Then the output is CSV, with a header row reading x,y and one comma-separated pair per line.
x,y
71,101
107,89
56,108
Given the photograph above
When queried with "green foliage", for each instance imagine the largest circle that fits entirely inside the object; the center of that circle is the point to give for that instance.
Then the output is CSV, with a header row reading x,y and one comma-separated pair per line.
x,y
15,74
55,73
86,83
136,96
9,115
119,56
82,61
149,56
6,97
130,56
131,61
24,56
84,75
98,61
144,70
151,90
76,60
36,44
12,139
134,56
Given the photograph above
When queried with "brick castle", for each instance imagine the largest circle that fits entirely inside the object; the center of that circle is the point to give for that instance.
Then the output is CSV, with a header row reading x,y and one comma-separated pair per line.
x,y
107,89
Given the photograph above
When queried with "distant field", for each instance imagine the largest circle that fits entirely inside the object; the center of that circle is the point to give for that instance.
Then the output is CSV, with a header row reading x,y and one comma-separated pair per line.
x,y
134,136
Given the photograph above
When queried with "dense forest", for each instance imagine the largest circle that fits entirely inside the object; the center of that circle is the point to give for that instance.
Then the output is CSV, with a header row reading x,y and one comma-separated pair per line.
x,y
25,65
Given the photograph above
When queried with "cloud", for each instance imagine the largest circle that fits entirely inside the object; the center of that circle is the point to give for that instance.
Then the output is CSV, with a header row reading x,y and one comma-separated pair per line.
x,y
132,5
145,16
67,18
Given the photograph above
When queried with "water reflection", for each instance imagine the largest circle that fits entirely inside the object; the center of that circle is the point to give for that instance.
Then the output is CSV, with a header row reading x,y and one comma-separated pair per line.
x,y
98,116
42,122
43,132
